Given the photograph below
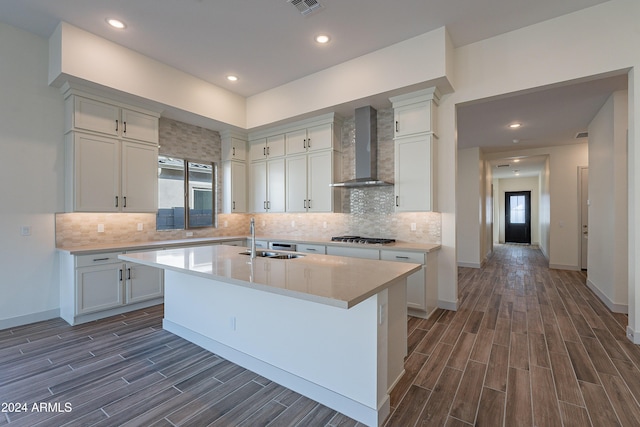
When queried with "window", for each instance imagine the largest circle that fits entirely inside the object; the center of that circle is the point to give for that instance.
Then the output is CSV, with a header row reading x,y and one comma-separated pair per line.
x,y
518,210
183,183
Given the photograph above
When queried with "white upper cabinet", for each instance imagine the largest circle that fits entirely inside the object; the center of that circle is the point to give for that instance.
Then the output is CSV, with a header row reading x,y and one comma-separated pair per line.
x,y
111,155
415,112
415,143
267,186
310,139
96,115
266,148
308,183
108,175
234,197
414,174
234,149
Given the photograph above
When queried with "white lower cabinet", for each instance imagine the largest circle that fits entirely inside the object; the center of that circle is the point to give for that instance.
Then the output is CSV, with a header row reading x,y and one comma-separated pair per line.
x,y
100,285
422,292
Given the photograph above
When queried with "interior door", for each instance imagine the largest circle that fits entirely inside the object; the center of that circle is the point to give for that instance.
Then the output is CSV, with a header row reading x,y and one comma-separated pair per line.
x,y
517,212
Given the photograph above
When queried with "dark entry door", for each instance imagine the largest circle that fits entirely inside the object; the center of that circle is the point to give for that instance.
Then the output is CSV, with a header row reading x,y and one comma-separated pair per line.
x,y
517,212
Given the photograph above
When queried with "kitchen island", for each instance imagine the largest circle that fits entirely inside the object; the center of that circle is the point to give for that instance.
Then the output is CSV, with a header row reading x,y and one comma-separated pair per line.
x,y
331,328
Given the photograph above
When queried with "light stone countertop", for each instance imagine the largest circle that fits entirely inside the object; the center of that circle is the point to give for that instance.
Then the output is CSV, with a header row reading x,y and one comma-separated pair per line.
x,y
337,281
157,244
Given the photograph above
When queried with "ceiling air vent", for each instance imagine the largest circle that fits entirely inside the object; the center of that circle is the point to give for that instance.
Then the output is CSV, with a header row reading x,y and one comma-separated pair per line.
x,y
305,7
582,135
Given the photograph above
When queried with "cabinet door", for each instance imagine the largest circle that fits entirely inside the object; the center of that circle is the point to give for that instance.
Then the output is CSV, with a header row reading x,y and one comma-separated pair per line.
x,y
320,192
413,174
296,141
412,119
99,288
275,146
276,185
139,126
320,137
296,178
258,149
416,283
139,177
238,187
143,283
96,116
258,187
311,249
96,177
235,150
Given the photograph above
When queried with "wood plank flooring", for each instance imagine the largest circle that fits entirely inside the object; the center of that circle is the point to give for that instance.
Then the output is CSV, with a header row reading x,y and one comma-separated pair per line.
x,y
528,346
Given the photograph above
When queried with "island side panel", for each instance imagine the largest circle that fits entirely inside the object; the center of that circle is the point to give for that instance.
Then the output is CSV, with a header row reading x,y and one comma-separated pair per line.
x,y
333,348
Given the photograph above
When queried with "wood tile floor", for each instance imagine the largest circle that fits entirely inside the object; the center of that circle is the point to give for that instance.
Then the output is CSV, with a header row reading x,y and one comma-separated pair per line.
x,y
528,346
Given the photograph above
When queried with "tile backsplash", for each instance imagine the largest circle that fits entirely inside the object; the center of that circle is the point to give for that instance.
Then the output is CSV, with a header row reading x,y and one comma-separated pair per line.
x,y
366,211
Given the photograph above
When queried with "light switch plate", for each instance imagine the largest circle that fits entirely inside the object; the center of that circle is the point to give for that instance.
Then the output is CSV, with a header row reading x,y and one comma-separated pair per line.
x,y
100,228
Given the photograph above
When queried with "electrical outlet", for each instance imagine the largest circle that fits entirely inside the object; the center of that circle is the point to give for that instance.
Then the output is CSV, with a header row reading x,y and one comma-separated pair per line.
x,y
140,226
25,230
324,224
293,223
264,223
100,228
413,226
226,224
189,233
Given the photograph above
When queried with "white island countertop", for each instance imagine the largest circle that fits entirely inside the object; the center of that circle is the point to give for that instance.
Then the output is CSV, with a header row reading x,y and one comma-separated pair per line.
x,y
332,280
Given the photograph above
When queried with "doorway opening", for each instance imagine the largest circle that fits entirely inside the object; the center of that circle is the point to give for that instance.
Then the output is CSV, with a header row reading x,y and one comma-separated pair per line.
x,y
517,217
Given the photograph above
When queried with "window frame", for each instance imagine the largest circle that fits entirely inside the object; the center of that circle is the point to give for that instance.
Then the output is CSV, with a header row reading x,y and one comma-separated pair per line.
x,y
187,190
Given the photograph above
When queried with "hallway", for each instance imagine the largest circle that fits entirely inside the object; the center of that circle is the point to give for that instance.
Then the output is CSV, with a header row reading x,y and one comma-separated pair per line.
x,y
528,346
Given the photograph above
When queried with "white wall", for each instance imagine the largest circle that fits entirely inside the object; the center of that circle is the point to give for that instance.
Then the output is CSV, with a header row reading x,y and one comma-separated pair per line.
x,y
469,207
31,138
607,256
519,184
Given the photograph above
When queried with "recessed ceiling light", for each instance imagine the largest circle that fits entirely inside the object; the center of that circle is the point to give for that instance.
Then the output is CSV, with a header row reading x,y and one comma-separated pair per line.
x,y
115,23
515,141
232,78
515,125
516,160
322,38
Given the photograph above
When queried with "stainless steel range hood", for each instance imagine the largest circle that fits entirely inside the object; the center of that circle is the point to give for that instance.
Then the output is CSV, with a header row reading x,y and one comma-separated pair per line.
x,y
366,150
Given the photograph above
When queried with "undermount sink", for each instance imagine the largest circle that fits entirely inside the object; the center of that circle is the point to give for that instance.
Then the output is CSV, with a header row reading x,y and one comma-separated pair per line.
x,y
273,255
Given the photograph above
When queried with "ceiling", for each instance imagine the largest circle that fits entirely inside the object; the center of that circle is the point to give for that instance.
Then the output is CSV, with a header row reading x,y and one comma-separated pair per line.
x,y
267,43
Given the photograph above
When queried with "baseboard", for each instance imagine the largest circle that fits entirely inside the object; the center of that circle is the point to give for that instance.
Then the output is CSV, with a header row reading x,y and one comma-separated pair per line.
x,y
564,267
469,264
615,307
634,336
29,318
448,305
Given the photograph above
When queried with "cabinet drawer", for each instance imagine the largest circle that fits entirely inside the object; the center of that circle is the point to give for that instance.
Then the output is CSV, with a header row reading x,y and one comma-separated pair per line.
x,y
312,249
402,256
97,259
354,252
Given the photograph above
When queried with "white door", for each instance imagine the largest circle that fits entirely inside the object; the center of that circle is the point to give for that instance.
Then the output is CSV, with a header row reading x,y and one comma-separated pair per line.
x,y
584,216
